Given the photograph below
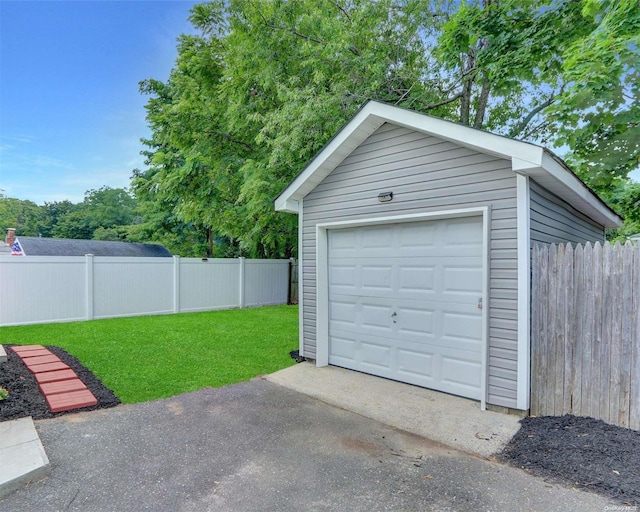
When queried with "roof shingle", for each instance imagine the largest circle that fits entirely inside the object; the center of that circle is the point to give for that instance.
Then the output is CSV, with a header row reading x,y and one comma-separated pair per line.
x,y
37,246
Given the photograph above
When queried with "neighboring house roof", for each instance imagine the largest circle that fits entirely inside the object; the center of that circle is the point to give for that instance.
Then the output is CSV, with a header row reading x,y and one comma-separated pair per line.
x,y
37,246
526,158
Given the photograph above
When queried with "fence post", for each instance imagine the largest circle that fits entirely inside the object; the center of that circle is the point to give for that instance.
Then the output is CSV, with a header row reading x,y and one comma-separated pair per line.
x,y
241,301
292,291
88,258
176,284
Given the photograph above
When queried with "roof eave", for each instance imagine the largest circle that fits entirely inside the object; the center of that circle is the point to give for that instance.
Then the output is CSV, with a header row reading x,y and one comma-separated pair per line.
x,y
526,158
553,175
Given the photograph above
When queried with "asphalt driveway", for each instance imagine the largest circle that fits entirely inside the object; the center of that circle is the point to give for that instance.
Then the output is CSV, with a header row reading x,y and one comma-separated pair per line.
x,y
259,446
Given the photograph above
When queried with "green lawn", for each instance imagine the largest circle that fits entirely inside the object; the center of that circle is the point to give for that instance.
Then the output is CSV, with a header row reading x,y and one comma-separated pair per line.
x,y
149,357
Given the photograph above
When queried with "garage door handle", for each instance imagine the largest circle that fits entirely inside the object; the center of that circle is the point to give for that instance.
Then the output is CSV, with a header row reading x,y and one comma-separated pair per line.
x,y
480,303
394,315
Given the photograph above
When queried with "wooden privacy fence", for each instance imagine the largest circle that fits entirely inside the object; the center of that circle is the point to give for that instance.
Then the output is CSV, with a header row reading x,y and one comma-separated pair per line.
x,y
585,332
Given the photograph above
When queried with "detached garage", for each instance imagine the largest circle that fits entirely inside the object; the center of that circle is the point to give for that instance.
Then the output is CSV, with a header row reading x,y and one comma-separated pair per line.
x,y
415,237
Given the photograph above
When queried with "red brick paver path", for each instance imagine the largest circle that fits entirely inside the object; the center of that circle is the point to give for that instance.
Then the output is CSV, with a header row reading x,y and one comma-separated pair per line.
x,y
61,387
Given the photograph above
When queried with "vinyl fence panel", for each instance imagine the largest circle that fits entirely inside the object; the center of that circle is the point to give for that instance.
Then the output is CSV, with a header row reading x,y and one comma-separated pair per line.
x,y
42,289
132,286
39,289
263,279
209,284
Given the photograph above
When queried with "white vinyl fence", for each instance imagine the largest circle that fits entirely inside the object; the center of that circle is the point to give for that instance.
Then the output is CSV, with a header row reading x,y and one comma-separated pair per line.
x,y
42,289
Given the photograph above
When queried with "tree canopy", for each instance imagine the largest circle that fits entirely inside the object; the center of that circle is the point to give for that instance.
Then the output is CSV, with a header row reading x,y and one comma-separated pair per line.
x,y
105,214
266,83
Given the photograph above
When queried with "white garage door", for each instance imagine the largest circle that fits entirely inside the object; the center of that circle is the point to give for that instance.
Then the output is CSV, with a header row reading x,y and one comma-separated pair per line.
x,y
403,302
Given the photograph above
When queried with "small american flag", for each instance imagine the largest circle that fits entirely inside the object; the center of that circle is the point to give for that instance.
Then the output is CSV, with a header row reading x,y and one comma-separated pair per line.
x,y
16,249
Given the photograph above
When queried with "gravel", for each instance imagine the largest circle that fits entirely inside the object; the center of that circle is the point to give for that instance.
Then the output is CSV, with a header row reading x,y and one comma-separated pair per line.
x,y
582,452
25,398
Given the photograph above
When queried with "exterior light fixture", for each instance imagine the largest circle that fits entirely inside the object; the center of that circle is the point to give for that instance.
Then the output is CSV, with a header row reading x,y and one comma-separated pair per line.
x,y
385,197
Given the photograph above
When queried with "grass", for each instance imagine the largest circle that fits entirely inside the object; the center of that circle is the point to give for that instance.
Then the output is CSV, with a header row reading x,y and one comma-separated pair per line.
x,y
150,357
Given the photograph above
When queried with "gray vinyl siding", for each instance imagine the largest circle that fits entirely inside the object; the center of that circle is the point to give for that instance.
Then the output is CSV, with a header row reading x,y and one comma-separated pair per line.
x,y
426,174
555,221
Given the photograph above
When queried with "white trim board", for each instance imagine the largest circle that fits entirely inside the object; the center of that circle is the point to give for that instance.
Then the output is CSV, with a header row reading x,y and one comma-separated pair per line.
x,y
322,278
523,213
300,283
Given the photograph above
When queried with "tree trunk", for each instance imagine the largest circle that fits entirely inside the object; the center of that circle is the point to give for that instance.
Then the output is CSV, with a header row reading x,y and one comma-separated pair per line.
x,y
467,89
209,243
483,101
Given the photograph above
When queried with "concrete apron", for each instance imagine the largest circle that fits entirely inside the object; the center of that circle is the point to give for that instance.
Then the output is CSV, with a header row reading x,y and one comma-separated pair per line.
x,y
450,420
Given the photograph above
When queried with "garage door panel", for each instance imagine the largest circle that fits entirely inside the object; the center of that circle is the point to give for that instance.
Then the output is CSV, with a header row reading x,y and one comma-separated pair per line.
x,y
342,348
343,276
376,354
376,318
462,280
344,315
416,365
343,242
439,323
403,302
356,313
416,236
375,238
376,278
447,371
461,328
461,377
411,321
455,281
417,279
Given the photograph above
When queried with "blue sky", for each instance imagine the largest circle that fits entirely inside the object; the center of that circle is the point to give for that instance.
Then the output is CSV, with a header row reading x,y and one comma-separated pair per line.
x,y
71,116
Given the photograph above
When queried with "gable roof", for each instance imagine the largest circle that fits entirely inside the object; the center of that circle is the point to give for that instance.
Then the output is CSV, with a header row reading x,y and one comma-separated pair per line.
x,y
526,158
37,246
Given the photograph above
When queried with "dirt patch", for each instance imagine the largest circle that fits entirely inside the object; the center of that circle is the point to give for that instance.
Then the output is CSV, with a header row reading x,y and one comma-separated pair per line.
x,y
25,398
583,452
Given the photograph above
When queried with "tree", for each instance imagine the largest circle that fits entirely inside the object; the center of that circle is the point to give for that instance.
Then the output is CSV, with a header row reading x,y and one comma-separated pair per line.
x,y
23,215
102,208
192,157
571,65
599,113
52,214
624,197
257,94
267,83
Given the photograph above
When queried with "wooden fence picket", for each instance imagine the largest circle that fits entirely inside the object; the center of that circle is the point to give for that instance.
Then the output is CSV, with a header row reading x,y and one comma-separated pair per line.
x,y
586,331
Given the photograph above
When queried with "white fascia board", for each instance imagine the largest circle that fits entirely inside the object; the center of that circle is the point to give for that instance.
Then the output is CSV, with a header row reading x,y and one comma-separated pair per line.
x,y
582,196
472,138
287,205
552,175
342,145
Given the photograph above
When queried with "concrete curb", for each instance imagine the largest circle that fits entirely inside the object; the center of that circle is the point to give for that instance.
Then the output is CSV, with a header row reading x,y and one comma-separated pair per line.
x,y
22,456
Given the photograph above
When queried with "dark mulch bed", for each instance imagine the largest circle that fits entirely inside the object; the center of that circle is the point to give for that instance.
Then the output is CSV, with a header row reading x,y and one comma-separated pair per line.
x,y
583,452
295,355
25,399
